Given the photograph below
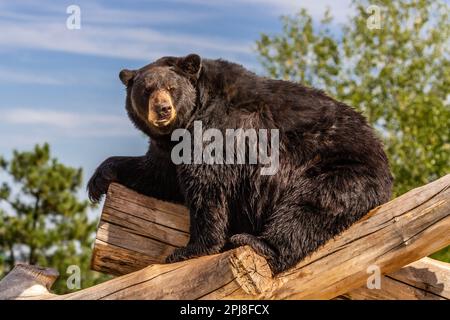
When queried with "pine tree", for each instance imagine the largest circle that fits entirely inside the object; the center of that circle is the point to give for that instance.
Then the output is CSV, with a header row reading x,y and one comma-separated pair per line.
x,y
41,219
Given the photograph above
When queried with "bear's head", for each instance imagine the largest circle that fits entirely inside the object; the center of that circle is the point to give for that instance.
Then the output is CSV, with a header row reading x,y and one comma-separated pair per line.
x,y
161,96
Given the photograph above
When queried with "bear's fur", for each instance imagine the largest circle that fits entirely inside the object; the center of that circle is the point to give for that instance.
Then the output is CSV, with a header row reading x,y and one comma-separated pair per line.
x,y
332,167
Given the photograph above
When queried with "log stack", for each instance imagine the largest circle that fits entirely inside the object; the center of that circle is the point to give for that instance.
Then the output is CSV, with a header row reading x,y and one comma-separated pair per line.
x,y
136,233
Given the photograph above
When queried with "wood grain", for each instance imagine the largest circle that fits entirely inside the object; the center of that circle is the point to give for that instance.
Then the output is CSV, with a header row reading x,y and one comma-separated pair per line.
x,y
133,232
426,279
407,283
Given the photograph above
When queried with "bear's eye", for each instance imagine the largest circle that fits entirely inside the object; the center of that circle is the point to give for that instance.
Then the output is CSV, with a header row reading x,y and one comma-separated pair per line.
x,y
170,88
148,91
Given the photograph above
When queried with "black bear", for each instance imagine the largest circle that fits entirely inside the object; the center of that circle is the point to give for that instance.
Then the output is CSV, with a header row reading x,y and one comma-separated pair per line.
x,y
332,168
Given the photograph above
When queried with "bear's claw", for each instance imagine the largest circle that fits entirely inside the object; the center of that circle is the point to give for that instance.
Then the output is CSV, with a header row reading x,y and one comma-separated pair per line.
x,y
100,180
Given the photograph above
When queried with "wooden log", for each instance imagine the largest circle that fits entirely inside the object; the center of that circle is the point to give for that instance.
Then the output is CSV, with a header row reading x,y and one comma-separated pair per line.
x,y
144,230
426,279
28,282
241,269
389,237
135,231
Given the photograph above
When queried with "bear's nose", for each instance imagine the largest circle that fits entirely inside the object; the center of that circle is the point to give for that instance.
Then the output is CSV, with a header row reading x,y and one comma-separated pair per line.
x,y
163,109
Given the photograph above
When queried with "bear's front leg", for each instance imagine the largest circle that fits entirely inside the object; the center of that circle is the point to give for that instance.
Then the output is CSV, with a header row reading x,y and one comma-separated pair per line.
x,y
109,171
152,175
208,229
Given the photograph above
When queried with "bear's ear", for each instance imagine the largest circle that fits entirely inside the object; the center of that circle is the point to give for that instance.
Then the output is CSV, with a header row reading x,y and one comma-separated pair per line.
x,y
191,64
126,75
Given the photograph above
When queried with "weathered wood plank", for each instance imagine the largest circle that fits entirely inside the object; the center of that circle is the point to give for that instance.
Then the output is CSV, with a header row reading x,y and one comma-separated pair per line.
x,y
108,256
175,213
427,274
28,282
390,237
393,235
121,237
394,286
425,279
140,230
137,225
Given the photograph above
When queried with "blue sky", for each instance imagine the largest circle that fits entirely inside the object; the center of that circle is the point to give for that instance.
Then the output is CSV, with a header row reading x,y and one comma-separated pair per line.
x,y
61,86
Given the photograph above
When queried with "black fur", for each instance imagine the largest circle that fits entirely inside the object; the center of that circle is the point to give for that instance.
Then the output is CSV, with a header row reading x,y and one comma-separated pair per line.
x,y
332,171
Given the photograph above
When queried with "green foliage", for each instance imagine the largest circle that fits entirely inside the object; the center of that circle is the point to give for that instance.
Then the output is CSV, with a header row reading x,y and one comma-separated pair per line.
x,y
42,221
397,76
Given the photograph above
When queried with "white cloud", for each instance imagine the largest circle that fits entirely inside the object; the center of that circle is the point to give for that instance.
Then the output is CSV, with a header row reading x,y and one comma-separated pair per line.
x,y
339,9
122,42
68,124
98,14
111,32
18,76
95,13
114,32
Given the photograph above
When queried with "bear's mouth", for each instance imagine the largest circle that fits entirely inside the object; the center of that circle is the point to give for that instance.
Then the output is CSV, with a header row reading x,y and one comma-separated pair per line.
x,y
162,122
165,120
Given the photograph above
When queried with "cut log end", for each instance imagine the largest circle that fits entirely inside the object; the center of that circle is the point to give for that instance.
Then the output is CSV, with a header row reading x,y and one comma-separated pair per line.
x,y
251,271
28,282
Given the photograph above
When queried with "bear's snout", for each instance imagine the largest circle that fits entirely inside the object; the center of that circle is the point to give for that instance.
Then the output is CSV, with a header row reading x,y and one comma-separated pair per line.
x,y
161,111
